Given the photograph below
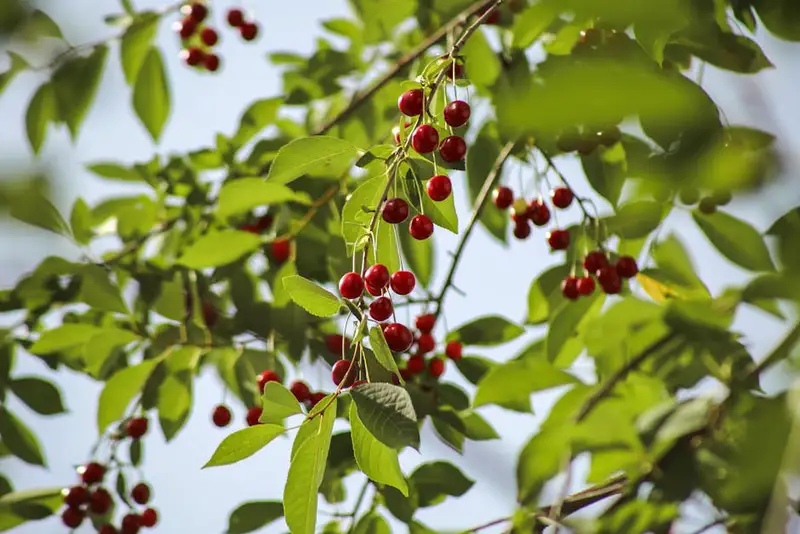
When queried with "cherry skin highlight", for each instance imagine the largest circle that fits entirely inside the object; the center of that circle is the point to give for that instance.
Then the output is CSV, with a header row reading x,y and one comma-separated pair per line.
x,y
377,277
425,139
425,323
421,227
351,286
453,350
439,188
339,372
569,288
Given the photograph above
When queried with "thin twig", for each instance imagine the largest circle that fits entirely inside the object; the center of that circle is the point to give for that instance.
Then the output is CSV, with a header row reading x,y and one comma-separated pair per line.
x,y
709,526
552,165
359,500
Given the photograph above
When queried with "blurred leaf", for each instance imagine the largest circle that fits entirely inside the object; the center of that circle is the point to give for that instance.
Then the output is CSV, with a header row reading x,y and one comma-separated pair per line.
x,y
76,82
544,295
728,51
255,118
18,64
780,17
19,439
511,384
219,248
37,25
120,390
736,240
99,291
244,194
33,208
435,481
253,515
243,444
42,110
136,43
480,160
540,460
311,155
419,255
532,23
114,171
64,337
378,461
636,219
80,222
486,331
151,95
564,325
39,395
481,61
474,368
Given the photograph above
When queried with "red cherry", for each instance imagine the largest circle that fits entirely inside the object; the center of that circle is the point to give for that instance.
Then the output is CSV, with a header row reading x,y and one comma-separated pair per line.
x,y
454,68
558,239
403,282
569,288
141,493
626,267
395,211
192,56
211,63
337,344
426,343
359,382
421,227
425,139
339,372
453,148
221,416
149,518
594,261
522,229
265,377
137,427
503,197
457,113
209,36
264,222
196,11
609,280
100,501
374,291
253,415
406,374
494,16
424,323
398,337
561,197
210,314
281,249
300,390
76,496
185,28
538,212
436,367
93,473
376,277
381,309
250,228
107,529
316,398
248,31
131,524
351,286
453,350
415,365
235,17
72,517
439,187
586,285
396,379
410,102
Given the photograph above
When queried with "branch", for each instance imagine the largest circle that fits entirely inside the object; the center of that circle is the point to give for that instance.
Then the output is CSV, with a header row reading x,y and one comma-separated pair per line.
x,y
403,62
477,209
779,353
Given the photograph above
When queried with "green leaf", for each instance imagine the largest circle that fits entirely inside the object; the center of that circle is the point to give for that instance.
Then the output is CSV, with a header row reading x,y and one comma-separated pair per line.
x,y
37,25
372,523
780,18
388,414
636,219
532,23
120,390
354,218
474,368
151,96
64,337
102,345
18,64
382,351
311,297
540,460
253,515
435,481
480,160
136,43
481,61
243,444
420,257
218,248
442,213
76,82
80,221
42,110
311,155
19,440
175,391
564,325
388,252
376,460
18,507
278,403
511,384
544,295
244,194
33,208
736,240
486,331
114,171
98,291
255,118
39,395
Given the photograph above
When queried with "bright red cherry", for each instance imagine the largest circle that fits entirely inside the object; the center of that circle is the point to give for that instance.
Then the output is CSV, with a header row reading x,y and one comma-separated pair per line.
x,y
421,227
398,337
264,222
221,416
586,285
185,28
300,390
137,427
253,415
92,473
426,343
538,212
209,36
436,367
100,501
569,288
395,211
453,148
410,102
76,496
248,31
453,350
72,517
561,197
281,249
265,377
558,239
439,188
131,523
141,493
403,282
250,228
192,56
195,11
609,280
381,309
626,267
149,518
211,62
235,17
457,113
594,261
107,529
415,365
424,323
522,229
503,197
337,344
425,139
339,372
351,286
376,277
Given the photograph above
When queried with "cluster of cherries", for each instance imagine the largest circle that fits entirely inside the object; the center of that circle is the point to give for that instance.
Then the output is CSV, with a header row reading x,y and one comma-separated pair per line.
x,y
395,211
424,344
199,38
609,275
280,249
425,137
537,212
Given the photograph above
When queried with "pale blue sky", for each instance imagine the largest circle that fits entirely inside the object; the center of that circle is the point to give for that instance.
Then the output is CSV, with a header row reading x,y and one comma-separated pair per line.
x,y
191,500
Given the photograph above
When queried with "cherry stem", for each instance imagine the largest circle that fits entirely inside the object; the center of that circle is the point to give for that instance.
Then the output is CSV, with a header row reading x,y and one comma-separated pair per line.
x,y
581,202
